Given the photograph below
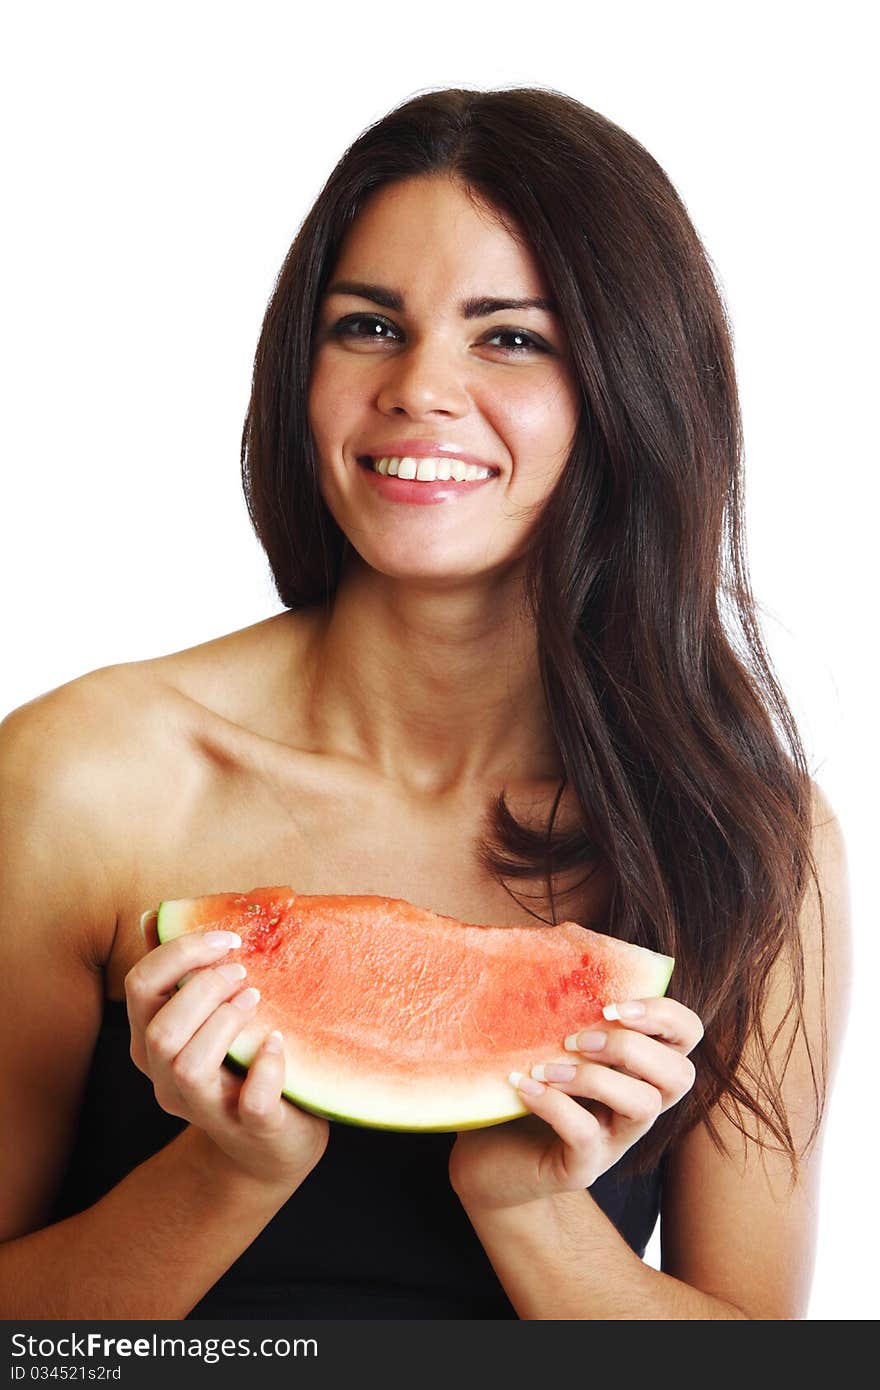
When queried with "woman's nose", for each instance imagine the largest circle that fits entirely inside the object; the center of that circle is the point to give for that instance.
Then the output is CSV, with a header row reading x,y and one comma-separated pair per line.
x,y
421,379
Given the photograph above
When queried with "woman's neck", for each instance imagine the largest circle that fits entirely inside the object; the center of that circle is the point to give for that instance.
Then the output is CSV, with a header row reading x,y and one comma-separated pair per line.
x,y
438,691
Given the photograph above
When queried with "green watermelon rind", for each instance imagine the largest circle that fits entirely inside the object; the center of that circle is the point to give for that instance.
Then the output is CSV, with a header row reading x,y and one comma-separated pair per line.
x,y
171,923
313,1108
660,993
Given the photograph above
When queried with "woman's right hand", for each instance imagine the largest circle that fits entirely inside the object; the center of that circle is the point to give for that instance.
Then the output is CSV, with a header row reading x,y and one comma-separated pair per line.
x,y
179,1039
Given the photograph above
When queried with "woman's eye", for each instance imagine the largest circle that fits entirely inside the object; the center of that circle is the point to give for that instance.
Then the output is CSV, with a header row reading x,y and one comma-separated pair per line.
x,y
519,341
363,326
370,328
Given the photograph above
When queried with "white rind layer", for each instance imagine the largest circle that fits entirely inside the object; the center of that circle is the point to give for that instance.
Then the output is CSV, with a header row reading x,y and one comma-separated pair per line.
x,y
410,1103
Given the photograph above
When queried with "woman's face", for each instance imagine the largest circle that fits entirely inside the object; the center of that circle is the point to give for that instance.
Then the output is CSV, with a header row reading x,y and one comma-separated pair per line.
x,y
412,360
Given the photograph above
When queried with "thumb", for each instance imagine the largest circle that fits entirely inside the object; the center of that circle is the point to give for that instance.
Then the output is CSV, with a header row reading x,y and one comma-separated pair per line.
x,y
149,920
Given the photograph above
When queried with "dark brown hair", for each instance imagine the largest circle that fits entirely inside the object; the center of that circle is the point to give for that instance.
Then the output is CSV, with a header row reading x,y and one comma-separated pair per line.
x,y
673,732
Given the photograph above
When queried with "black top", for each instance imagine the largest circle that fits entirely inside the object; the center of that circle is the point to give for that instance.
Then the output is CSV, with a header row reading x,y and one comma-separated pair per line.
x,y
375,1231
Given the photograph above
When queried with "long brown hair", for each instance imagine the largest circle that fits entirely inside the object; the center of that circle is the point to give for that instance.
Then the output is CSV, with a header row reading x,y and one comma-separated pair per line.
x,y
672,730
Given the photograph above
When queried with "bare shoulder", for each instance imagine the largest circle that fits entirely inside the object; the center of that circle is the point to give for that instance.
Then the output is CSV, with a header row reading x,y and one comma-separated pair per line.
x,y
75,764
77,739
92,730
829,847
40,728
53,748
89,763
716,1201
54,785
826,926
830,855
62,822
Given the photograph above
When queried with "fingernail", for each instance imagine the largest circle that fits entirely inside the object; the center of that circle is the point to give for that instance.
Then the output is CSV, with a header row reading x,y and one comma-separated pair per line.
x,y
586,1042
232,971
145,917
623,1011
248,999
525,1084
222,940
554,1071
274,1042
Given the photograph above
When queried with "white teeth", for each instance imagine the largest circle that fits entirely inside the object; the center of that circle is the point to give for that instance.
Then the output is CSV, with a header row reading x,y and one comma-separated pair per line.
x,y
428,470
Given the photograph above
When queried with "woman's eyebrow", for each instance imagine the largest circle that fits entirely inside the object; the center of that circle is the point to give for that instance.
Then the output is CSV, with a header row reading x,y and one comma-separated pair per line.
x,y
470,308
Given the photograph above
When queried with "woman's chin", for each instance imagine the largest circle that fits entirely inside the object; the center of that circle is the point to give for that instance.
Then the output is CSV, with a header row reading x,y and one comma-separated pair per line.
x,y
446,573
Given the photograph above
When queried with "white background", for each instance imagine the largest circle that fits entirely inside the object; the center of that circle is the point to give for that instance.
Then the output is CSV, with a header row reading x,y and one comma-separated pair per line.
x,y
159,159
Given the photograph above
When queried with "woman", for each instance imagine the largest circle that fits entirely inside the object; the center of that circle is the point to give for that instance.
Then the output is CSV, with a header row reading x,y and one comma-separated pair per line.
x,y
546,669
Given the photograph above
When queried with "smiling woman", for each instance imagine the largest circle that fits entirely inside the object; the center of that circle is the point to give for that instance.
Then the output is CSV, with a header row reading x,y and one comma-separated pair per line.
x,y
505,409
493,455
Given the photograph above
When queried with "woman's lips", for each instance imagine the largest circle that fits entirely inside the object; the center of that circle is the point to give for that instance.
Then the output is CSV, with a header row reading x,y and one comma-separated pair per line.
x,y
395,489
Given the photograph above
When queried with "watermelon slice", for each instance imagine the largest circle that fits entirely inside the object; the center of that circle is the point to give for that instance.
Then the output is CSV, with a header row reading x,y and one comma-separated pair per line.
x,y
397,1018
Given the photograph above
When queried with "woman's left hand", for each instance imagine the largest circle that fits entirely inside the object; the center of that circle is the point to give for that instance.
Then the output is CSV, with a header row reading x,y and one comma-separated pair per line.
x,y
630,1069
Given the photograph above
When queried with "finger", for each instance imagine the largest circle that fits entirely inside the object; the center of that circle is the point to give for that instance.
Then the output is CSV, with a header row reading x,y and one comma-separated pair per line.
x,y
154,978
149,928
176,1020
197,1062
666,1019
572,1164
633,1054
631,1098
260,1102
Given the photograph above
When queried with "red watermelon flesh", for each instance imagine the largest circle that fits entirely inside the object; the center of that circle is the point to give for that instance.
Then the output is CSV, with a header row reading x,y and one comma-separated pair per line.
x,y
395,1017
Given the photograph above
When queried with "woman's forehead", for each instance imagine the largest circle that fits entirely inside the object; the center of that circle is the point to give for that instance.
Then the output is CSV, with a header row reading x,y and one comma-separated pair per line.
x,y
427,232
